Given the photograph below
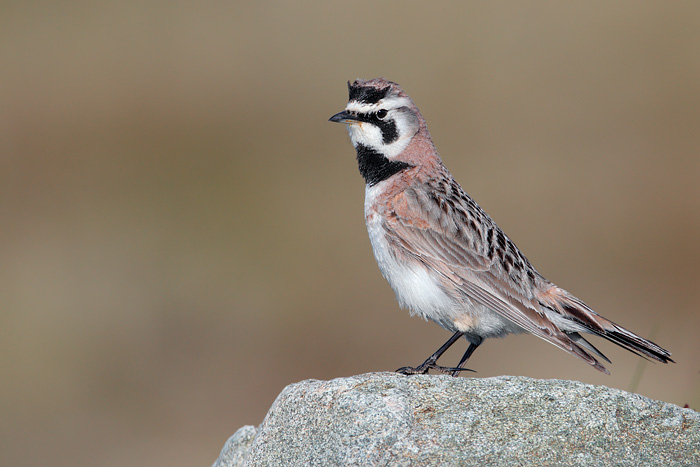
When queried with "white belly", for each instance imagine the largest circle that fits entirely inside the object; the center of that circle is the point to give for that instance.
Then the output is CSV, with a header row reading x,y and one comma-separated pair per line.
x,y
419,290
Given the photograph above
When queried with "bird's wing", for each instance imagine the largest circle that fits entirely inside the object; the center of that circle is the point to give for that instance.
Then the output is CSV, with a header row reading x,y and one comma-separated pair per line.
x,y
446,230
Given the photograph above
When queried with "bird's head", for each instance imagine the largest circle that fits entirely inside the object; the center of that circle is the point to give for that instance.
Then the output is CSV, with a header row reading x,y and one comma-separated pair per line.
x,y
380,116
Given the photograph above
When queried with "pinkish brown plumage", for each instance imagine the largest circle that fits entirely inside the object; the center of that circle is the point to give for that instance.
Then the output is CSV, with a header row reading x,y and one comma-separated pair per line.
x,y
443,256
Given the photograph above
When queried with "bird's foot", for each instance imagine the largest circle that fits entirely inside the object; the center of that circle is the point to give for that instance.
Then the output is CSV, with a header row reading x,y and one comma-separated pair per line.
x,y
426,366
410,370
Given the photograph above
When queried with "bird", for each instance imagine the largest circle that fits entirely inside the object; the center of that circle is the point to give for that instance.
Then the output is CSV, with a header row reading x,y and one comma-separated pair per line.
x,y
445,259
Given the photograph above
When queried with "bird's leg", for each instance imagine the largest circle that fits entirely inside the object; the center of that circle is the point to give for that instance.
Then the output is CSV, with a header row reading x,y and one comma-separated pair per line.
x,y
470,350
430,362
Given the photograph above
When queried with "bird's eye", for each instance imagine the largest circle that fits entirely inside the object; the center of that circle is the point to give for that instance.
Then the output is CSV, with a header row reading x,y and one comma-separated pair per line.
x,y
381,114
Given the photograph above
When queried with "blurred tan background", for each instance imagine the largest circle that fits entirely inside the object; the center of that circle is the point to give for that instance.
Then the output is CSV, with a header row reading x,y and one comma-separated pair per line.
x,y
182,229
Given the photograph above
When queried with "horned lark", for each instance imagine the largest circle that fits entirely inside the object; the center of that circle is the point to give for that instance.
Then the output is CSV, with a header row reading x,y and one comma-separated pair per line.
x,y
443,256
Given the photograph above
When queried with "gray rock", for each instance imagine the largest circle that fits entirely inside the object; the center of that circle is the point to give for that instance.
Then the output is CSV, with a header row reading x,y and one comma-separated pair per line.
x,y
390,419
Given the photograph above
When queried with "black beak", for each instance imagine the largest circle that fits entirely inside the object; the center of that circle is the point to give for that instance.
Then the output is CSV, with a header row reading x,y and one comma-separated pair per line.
x,y
343,117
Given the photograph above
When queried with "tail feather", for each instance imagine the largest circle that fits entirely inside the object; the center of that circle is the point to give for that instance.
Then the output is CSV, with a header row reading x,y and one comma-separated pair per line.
x,y
583,316
578,338
637,345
